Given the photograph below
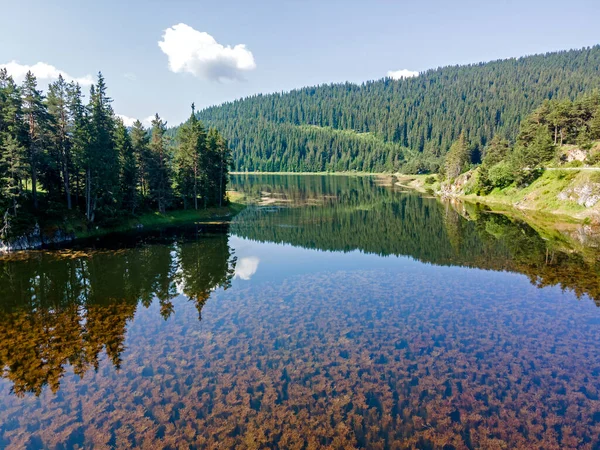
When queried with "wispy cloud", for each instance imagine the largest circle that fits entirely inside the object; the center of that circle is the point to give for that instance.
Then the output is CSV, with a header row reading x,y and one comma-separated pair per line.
x,y
400,74
130,76
44,72
198,53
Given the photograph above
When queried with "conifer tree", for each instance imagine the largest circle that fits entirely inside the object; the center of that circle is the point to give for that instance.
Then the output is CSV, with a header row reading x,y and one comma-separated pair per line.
x,y
80,139
595,124
88,162
102,158
458,158
190,154
36,117
128,176
160,166
58,108
13,170
12,151
223,163
139,142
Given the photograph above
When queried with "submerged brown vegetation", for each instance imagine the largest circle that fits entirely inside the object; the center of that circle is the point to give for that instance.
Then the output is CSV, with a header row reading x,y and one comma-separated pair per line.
x,y
336,361
104,348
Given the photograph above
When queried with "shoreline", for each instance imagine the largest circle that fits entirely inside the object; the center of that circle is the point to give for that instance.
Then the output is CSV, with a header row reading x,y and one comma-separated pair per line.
x,y
497,203
417,183
360,174
41,240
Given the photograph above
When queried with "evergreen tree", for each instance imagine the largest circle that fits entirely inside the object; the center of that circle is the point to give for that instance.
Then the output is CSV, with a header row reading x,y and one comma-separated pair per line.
x,y
190,154
405,125
595,124
12,137
88,162
58,108
102,158
217,161
128,178
224,161
139,142
533,153
496,151
36,117
160,166
458,158
80,139
13,169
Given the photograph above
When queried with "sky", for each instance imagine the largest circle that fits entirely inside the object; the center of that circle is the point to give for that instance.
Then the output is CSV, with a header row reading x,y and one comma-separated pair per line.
x,y
160,56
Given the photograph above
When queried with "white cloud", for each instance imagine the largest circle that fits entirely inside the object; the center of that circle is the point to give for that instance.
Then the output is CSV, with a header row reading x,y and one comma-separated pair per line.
x,y
130,76
128,121
400,74
44,72
198,53
246,267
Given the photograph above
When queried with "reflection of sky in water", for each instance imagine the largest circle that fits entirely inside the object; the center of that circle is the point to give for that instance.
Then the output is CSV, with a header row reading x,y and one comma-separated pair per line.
x,y
246,267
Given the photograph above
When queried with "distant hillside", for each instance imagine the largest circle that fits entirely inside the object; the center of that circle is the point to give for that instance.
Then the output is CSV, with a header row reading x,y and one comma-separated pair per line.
x,y
411,123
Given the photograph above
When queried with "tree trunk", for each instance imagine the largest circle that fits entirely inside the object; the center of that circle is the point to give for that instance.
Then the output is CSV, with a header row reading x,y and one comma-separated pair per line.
x,y
561,136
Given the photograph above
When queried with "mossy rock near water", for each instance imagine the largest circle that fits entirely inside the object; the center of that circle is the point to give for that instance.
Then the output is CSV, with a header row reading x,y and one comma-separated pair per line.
x,y
36,240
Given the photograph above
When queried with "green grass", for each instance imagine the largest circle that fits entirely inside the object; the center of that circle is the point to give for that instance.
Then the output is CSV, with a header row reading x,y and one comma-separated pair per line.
x,y
542,194
171,218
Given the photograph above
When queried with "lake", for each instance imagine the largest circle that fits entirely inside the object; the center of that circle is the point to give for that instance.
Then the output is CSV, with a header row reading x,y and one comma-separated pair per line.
x,y
333,312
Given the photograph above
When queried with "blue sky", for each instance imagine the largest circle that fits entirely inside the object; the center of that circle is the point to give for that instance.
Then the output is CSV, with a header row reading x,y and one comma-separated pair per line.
x,y
281,44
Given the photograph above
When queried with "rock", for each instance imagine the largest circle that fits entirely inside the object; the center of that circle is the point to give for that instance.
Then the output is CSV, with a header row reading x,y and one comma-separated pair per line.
x,y
587,194
576,154
456,188
35,240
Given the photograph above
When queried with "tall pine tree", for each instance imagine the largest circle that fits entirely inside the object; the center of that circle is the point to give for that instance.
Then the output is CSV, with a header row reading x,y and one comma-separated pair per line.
x,y
160,181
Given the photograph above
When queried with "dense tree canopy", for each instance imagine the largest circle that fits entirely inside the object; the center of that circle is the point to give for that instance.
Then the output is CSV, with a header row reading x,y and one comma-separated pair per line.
x,y
390,125
543,133
60,157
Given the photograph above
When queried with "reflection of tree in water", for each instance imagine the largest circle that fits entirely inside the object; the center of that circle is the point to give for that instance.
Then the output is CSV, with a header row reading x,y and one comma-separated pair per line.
x,y
356,213
203,269
65,309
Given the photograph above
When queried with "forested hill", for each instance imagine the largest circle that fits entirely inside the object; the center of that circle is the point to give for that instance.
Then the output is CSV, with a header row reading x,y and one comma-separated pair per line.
x,y
390,125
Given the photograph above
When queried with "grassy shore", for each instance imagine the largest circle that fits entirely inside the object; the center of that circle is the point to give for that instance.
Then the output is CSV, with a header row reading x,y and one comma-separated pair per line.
x,y
170,219
556,196
560,192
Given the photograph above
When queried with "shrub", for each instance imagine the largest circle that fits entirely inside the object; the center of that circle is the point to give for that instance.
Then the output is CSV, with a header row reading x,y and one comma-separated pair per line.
x,y
501,175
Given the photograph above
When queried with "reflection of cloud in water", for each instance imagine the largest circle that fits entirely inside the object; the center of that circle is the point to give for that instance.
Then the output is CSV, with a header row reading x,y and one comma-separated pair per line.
x,y
246,267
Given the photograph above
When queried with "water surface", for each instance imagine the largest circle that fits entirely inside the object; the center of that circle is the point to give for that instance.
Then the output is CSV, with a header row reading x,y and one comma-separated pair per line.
x,y
336,312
